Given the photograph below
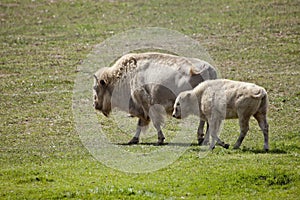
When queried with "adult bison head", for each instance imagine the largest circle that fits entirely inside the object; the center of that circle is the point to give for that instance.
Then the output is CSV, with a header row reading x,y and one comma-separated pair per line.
x,y
102,92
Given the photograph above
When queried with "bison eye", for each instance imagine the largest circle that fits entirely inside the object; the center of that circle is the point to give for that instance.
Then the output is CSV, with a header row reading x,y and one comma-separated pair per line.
x,y
102,82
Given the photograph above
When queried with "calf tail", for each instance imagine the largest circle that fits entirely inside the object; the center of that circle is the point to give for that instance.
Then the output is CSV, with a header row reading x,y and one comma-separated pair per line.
x,y
258,93
264,101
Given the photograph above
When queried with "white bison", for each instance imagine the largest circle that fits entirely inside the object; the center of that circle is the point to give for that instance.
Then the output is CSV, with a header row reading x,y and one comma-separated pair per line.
x,y
146,85
216,100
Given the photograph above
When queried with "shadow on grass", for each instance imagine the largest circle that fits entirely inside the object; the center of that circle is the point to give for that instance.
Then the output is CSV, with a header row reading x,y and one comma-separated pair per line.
x,y
261,151
256,151
164,144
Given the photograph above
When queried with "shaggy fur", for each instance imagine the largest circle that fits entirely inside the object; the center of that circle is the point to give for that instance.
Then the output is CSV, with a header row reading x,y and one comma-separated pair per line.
x,y
146,86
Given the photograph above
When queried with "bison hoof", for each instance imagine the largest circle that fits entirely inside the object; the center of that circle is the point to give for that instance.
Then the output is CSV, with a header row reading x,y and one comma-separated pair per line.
x,y
203,142
134,140
160,141
200,141
226,146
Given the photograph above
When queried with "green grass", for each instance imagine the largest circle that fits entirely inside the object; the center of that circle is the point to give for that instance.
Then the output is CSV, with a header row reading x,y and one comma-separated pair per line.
x,y
44,42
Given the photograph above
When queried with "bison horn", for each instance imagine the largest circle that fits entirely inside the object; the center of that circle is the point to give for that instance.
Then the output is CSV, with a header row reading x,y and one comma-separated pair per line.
x,y
96,78
102,82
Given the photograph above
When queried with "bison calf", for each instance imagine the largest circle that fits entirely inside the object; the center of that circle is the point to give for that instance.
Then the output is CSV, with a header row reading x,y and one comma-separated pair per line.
x,y
216,100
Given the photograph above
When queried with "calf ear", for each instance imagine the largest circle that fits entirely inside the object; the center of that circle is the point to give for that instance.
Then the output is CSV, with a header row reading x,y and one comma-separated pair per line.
x,y
188,95
194,71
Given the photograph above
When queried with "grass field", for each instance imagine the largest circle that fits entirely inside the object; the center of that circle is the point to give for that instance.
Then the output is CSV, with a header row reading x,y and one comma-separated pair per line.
x,y
44,42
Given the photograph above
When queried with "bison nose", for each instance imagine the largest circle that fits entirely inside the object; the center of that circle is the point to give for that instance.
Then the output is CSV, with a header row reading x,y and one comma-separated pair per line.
x,y
97,106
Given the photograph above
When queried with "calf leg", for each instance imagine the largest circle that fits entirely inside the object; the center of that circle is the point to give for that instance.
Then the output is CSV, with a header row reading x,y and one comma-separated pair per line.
x,y
244,127
214,129
206,137
200,133
264,126
203,139
141,124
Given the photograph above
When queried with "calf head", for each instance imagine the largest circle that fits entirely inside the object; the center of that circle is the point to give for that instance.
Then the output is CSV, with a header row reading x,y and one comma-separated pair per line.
x,y
184,105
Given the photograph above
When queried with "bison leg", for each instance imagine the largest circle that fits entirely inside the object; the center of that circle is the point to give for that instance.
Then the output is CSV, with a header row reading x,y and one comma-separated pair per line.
x,y
161,137
156,114
141,124
136,137
214,129
244,127
160,134
264,126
